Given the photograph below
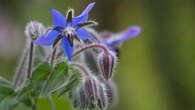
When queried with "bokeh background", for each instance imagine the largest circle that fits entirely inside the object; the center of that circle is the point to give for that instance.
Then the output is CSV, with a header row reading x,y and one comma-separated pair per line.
x,y
156,70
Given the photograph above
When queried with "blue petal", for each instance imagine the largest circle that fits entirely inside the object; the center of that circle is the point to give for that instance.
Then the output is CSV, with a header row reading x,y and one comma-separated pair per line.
x,y
83,34
68,50
46,40
131,32
83,16
58,19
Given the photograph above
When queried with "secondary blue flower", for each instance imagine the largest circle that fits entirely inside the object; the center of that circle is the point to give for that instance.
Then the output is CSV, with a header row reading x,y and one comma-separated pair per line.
x,y
67,29
113,41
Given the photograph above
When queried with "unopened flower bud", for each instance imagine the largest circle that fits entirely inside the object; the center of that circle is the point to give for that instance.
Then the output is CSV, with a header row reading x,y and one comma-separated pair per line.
x,y
83,101
106,64
102,97
34,29
91,88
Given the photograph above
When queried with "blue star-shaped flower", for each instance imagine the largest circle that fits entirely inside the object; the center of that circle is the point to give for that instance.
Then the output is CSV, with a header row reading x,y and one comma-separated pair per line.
x,y
113,41
67,29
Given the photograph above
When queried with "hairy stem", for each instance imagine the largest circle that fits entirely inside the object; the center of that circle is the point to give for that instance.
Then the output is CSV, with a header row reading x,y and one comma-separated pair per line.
x,y
81,67
30,58
53,58
20,69
105,49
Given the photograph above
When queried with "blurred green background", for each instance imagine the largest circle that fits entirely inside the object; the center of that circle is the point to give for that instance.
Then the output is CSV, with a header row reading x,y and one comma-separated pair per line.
x,y
156,70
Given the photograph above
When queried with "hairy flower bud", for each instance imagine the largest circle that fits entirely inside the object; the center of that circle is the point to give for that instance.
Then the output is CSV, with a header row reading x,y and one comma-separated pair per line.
x,y
106,64
91,88
34,29
83,101
102,97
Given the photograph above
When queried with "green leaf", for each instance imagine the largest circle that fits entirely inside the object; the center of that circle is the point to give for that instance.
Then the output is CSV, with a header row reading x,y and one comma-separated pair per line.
x,y
62,68
73,82
35,83
59,75
43,104
61,103
29,97
6,88
9,103
41,73
31,91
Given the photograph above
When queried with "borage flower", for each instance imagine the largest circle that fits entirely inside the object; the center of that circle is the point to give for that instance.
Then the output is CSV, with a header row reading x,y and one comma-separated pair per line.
x,y
113,41
67,29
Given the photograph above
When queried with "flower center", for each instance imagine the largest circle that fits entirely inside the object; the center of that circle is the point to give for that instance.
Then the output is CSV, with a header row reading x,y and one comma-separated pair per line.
x,y
69,32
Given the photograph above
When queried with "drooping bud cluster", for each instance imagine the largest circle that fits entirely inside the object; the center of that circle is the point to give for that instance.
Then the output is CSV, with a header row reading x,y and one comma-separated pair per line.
x,y
106,64
91,93
34,29
93,86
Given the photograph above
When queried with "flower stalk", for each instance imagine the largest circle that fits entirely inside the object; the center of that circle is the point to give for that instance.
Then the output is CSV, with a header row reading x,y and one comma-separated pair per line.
x,y
30,60
85,71
104,48
20,69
